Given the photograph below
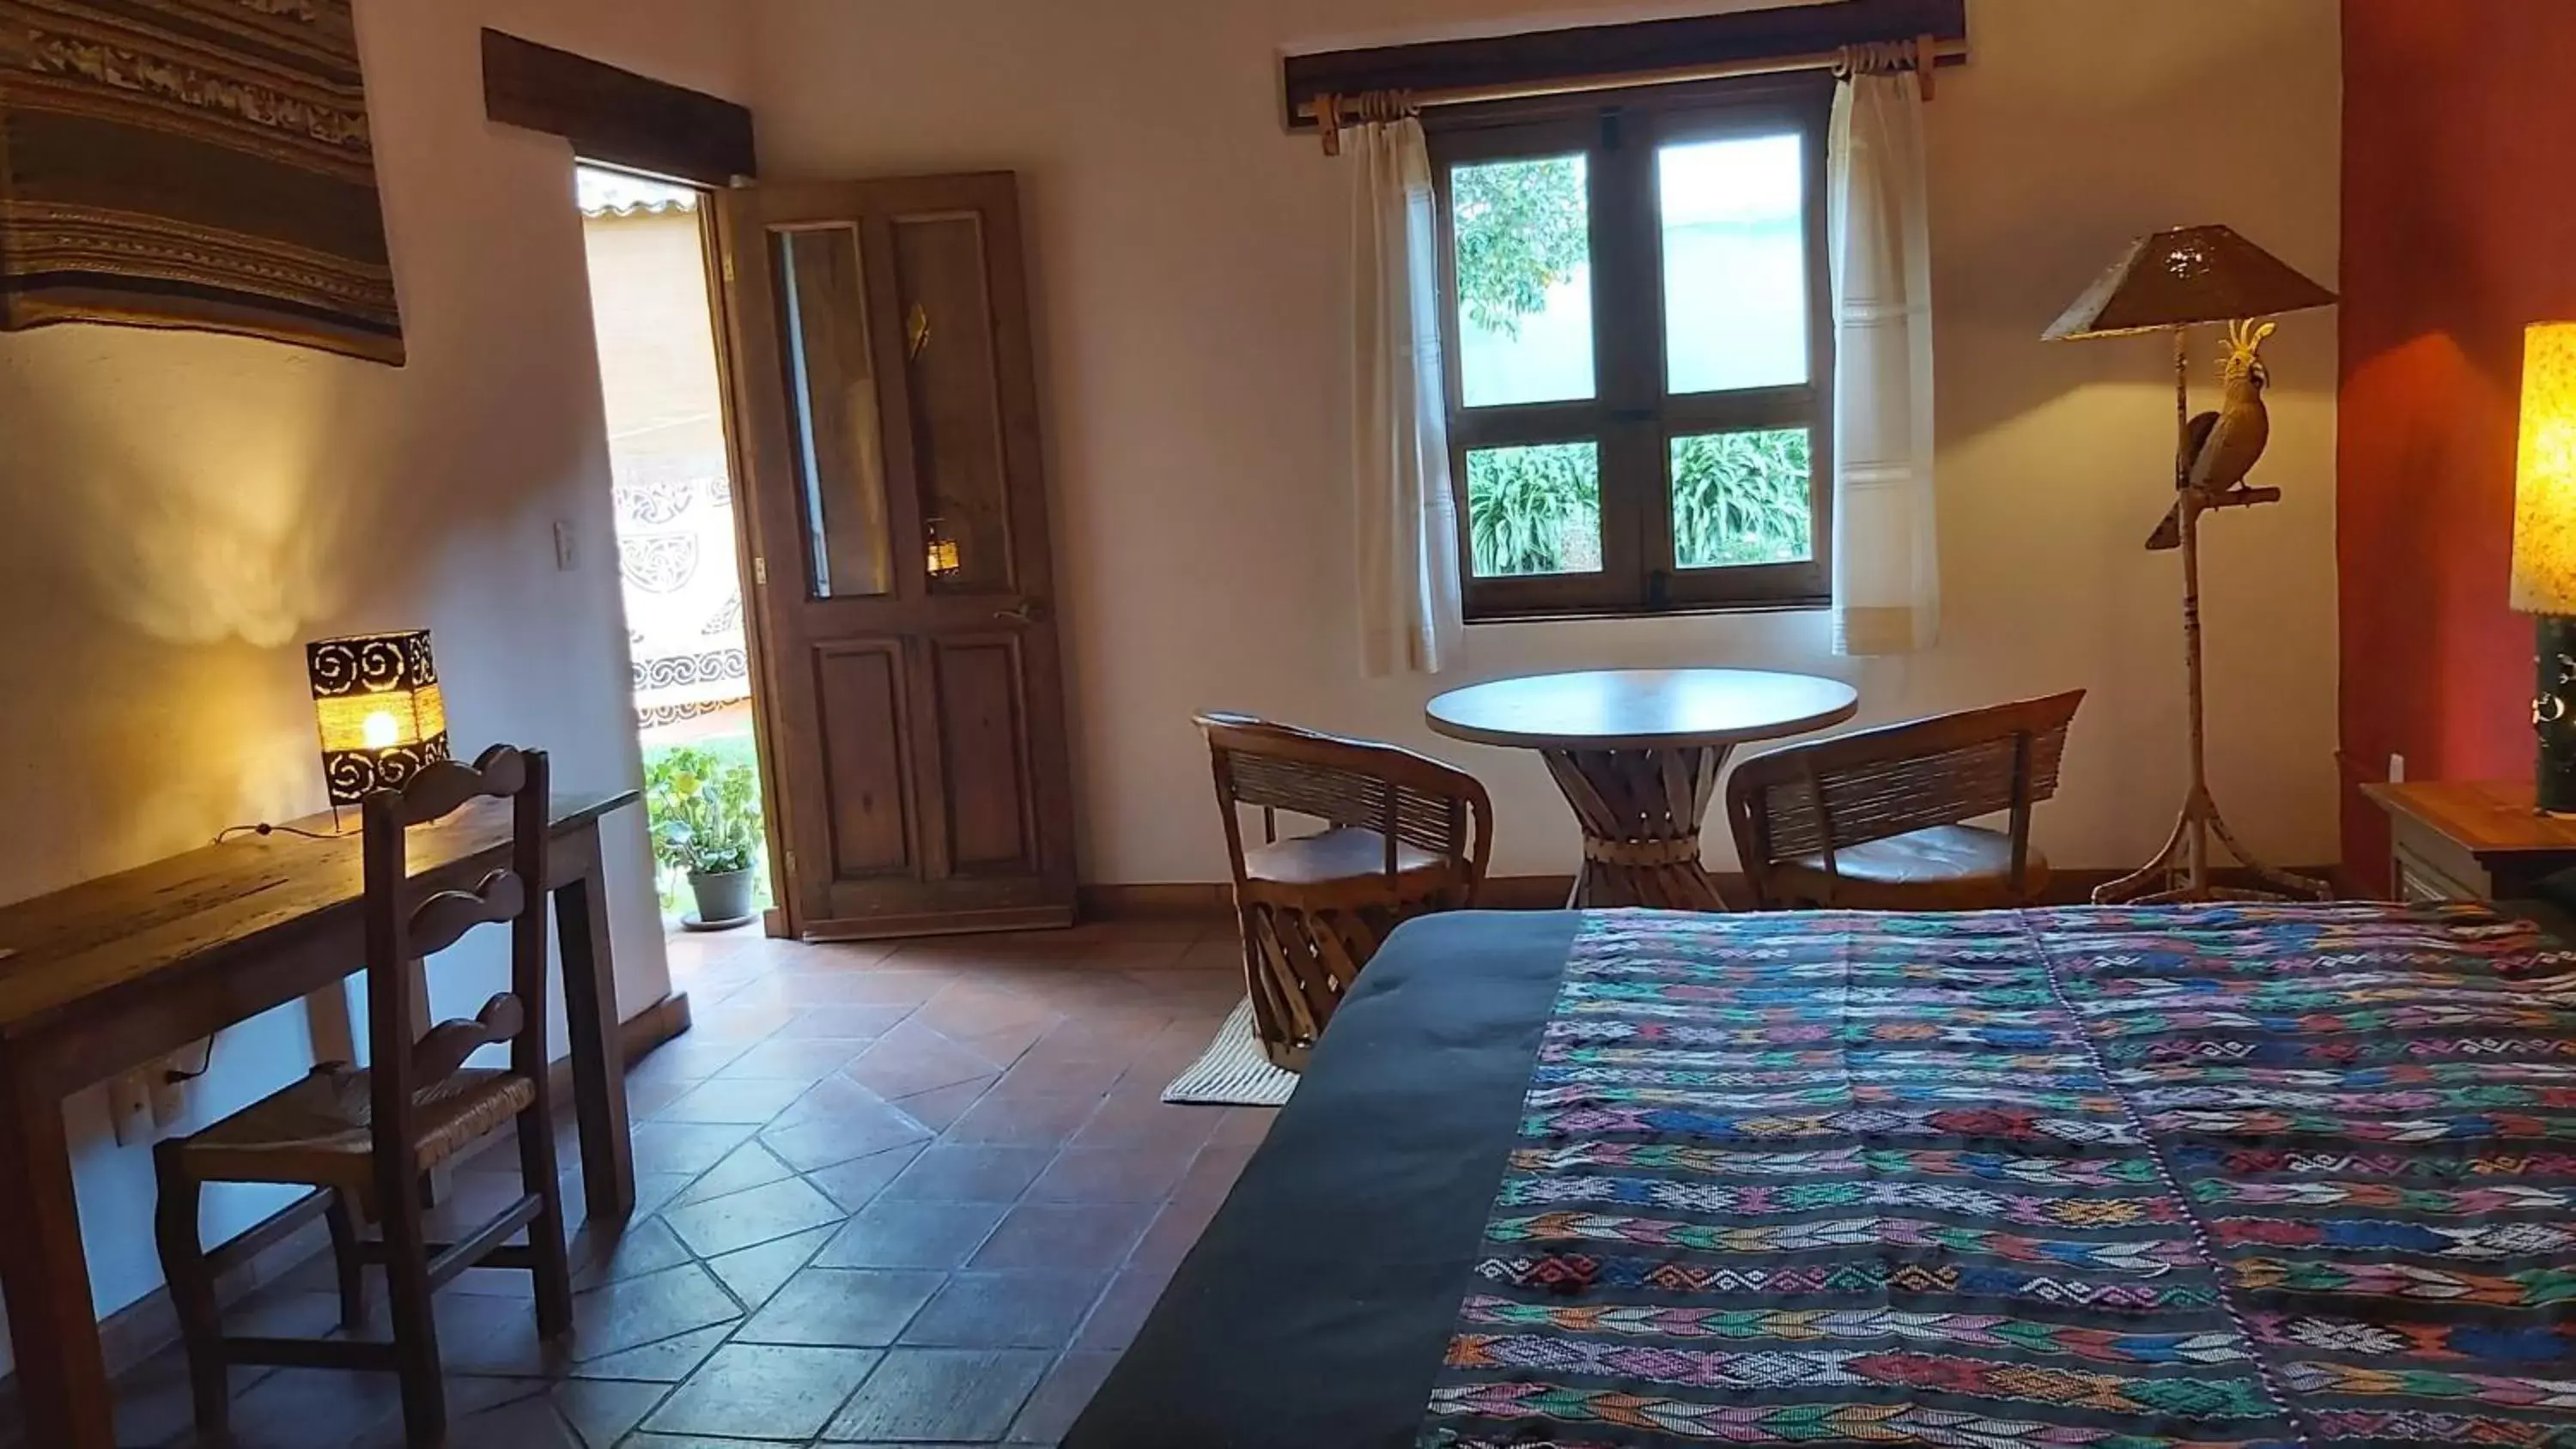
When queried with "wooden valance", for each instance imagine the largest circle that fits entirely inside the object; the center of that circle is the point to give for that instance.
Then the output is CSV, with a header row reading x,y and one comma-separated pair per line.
x,y
616,117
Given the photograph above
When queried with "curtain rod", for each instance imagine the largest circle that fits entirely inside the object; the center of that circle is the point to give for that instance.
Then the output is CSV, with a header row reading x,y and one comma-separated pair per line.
x,y
1330,112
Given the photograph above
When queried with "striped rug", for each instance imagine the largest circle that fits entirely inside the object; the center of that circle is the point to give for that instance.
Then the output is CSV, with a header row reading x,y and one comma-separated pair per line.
x,y
1232,1072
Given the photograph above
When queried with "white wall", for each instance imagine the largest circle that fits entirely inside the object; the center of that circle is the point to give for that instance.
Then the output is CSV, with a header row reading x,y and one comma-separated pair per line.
x,y
1191,282
179,512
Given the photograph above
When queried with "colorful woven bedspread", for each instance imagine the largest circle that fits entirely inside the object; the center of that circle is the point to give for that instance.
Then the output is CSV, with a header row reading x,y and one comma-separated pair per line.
x,y
2080,1179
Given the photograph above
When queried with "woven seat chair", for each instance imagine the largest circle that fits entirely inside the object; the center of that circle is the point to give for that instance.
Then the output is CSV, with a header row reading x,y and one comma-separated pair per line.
x,y
1404,835
363,1139
1875,821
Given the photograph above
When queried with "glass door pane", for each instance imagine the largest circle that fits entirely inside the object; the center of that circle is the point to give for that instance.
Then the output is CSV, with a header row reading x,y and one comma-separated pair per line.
x,y
1524,277
833,427
956,401
1735,262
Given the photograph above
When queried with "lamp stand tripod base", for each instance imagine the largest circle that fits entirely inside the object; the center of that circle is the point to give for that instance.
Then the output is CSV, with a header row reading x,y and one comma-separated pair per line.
x,y
2180,872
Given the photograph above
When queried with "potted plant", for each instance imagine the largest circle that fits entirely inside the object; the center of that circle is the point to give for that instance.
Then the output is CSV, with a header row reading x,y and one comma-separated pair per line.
x,y
706,822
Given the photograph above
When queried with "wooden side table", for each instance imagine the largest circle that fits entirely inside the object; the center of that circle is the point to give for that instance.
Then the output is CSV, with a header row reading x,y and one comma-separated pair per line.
x,y
2478,841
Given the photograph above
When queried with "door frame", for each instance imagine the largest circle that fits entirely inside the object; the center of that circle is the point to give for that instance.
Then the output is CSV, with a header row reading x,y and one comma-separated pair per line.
x,y
617,118
785,917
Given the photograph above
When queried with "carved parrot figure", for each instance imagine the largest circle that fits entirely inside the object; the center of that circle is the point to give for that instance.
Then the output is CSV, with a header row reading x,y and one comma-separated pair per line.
x,y
2220,448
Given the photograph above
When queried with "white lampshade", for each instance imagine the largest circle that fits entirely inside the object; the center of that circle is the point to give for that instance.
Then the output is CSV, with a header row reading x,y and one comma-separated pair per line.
x,y
2544,492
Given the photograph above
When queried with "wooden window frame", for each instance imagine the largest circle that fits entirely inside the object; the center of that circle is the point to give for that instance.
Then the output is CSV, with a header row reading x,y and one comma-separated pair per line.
x,y
1631,416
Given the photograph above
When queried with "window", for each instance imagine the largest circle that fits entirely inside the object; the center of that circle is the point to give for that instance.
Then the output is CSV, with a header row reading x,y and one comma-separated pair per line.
x,y
1640,357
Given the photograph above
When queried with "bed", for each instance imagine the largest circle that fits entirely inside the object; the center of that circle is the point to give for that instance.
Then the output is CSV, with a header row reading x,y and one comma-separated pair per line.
x,y
2057,1179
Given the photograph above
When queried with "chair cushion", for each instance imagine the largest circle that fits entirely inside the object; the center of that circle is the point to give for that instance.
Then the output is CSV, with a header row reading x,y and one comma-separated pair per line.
x,y
316,1133
1343,853
1945,868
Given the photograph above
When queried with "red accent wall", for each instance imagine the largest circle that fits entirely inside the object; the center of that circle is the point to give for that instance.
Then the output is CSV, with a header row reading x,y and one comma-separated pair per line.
x,y
2459,227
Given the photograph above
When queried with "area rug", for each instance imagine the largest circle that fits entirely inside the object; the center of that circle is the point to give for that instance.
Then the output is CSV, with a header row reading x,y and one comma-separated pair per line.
x,y
180,163
1232,1072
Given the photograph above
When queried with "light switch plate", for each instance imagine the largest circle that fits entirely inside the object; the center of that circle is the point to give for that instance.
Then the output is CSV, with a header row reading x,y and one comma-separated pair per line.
x,y
563,544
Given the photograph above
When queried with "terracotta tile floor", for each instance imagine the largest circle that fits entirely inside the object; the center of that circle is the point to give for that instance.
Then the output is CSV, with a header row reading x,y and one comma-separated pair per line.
x,y
909,1194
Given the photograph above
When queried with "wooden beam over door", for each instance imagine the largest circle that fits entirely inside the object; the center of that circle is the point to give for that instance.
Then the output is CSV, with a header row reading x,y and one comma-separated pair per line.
x,y
1613,50
616,117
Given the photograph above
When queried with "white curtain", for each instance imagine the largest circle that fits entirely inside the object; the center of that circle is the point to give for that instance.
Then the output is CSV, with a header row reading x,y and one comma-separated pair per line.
x,y
1408,519
1887,560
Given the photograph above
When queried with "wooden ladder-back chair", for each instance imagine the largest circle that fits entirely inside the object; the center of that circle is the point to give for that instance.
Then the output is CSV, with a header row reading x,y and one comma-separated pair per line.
x,y
363,1139
1404,835
1876,820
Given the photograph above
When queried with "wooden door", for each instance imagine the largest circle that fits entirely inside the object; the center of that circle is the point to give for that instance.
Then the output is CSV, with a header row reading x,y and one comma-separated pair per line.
x,y
914,696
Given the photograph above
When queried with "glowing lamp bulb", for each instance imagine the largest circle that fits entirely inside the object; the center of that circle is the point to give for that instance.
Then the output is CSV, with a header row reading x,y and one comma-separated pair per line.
x,y
382,730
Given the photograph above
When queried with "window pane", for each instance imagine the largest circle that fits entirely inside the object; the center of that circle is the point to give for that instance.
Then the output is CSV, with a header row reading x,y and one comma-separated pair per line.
x,y
1535,510
832,397
956,401
1524,233
1735,263
1742,498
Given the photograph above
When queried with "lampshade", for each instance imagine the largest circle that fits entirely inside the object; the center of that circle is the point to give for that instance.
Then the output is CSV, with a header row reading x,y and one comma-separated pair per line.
x,y
2185,277
376,699
2544,485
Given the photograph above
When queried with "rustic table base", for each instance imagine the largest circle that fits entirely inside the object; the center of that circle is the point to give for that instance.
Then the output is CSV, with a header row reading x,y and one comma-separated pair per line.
x,y
1640,811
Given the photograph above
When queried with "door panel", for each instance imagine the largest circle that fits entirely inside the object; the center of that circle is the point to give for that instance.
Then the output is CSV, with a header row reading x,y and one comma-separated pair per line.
x,y
981,727
859,694
885,381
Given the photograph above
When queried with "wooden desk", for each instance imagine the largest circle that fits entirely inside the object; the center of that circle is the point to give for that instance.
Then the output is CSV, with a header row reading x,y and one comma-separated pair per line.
x,y
2470,841
117,972
1637,754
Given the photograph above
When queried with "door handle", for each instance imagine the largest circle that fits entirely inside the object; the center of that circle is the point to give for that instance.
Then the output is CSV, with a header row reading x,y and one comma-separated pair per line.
x,y
1027,611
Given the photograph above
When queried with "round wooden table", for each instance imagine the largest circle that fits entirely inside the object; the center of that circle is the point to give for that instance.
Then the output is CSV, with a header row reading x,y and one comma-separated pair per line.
x,y
1637,753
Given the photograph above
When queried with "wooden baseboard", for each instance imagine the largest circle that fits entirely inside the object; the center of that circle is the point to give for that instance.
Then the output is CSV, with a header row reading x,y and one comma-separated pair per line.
x,y
1156,902
1214,900
279,1245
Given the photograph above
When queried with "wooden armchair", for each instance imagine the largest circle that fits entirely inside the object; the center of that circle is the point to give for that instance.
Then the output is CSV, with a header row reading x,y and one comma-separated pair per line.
x,y
363,1139
1873,821
1404,835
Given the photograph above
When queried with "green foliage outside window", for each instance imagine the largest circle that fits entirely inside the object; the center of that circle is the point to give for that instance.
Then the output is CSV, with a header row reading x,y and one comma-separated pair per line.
x,y
1737,498
1523,227
1534,510
1741,498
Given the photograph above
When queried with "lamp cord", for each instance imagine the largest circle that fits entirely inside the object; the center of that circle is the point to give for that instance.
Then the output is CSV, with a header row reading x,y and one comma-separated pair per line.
x,y
264,829
206,1064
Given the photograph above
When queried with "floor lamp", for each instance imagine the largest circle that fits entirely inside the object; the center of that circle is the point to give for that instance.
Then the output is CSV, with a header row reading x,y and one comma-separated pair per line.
x,y
2172,282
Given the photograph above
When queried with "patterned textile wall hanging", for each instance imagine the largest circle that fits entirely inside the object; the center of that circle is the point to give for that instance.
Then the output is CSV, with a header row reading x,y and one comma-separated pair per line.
x,y
191,163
